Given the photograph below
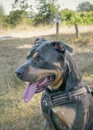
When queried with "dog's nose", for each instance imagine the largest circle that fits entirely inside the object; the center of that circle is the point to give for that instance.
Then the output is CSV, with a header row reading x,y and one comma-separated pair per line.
x,y
19,72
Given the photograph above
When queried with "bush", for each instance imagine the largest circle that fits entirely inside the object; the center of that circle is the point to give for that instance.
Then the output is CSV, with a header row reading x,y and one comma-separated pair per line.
x,y
80,18
87,17
16,17
2,17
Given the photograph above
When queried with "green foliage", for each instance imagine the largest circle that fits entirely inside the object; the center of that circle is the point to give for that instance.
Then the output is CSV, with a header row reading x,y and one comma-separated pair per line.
x,y
22,4
85,6
67,15
1,10
16,17
72,17
2,17
46,10
86,17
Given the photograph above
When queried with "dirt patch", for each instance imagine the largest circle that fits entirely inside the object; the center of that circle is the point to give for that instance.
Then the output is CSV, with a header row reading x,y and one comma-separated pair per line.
x,y
44,31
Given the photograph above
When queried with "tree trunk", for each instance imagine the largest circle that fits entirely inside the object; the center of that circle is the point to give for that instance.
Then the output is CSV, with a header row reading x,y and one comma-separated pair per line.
x,y
77,32
57,30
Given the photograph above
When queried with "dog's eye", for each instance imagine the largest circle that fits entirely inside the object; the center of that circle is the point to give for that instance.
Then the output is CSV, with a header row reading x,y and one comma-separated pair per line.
x,y
39,59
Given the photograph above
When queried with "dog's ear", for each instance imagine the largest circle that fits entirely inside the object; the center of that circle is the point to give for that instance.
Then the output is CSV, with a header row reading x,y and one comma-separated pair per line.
x,y
68,48
40,40
61,47
37,43
58,47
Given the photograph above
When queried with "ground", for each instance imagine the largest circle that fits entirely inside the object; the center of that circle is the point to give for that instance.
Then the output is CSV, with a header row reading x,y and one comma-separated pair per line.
x,y
14,113
42,31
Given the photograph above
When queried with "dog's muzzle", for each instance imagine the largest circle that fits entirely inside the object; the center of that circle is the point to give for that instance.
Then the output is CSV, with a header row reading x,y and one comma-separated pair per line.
x,y
35,84
19,72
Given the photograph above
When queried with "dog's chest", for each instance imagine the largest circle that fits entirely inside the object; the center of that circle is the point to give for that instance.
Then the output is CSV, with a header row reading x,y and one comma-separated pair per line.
x,y
64,114
60,115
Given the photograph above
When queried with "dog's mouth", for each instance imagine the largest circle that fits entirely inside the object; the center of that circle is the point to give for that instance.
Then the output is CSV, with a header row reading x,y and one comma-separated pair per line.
x,y
37,86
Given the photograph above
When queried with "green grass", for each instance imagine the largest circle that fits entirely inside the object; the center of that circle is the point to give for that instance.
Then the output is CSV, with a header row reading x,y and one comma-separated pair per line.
x,y
14,113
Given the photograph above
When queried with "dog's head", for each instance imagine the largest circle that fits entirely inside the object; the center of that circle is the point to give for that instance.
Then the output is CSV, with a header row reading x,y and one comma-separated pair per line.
x,y
46,66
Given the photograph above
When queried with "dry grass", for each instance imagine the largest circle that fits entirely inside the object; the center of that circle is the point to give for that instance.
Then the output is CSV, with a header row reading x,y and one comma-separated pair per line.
x,y
14,113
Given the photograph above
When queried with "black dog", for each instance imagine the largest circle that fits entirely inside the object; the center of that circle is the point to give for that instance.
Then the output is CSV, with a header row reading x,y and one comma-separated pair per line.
x,y
67,104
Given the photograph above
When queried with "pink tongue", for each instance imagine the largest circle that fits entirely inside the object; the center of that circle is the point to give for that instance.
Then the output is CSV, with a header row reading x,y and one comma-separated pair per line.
x,y
29,91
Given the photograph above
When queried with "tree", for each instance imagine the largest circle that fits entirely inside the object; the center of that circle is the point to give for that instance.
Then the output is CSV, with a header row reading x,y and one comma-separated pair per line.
x,y
16,17
22,4
2,17
71,18
67,15
46,10
85,6
1,10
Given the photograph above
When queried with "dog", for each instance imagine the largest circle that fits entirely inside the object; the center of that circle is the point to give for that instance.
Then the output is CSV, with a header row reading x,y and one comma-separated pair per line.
x,y
67,104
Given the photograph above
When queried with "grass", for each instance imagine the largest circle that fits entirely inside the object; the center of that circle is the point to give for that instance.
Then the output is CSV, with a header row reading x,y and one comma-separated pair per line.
x,y
14,113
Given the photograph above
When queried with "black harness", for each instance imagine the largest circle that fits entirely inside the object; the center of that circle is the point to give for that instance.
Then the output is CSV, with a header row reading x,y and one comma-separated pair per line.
x,y
51,99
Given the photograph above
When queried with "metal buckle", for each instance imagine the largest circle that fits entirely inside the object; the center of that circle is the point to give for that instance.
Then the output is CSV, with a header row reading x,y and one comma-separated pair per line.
x,y
88,89
45,102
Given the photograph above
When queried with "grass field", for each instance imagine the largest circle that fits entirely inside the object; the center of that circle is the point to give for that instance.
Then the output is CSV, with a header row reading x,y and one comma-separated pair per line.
x,y
14,113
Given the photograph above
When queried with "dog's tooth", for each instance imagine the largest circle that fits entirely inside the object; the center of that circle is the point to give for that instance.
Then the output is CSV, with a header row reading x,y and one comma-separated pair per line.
x,y
41,83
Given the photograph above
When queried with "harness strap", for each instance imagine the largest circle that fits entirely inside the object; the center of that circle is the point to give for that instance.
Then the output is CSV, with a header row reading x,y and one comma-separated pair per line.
x,y
70,96
49,100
